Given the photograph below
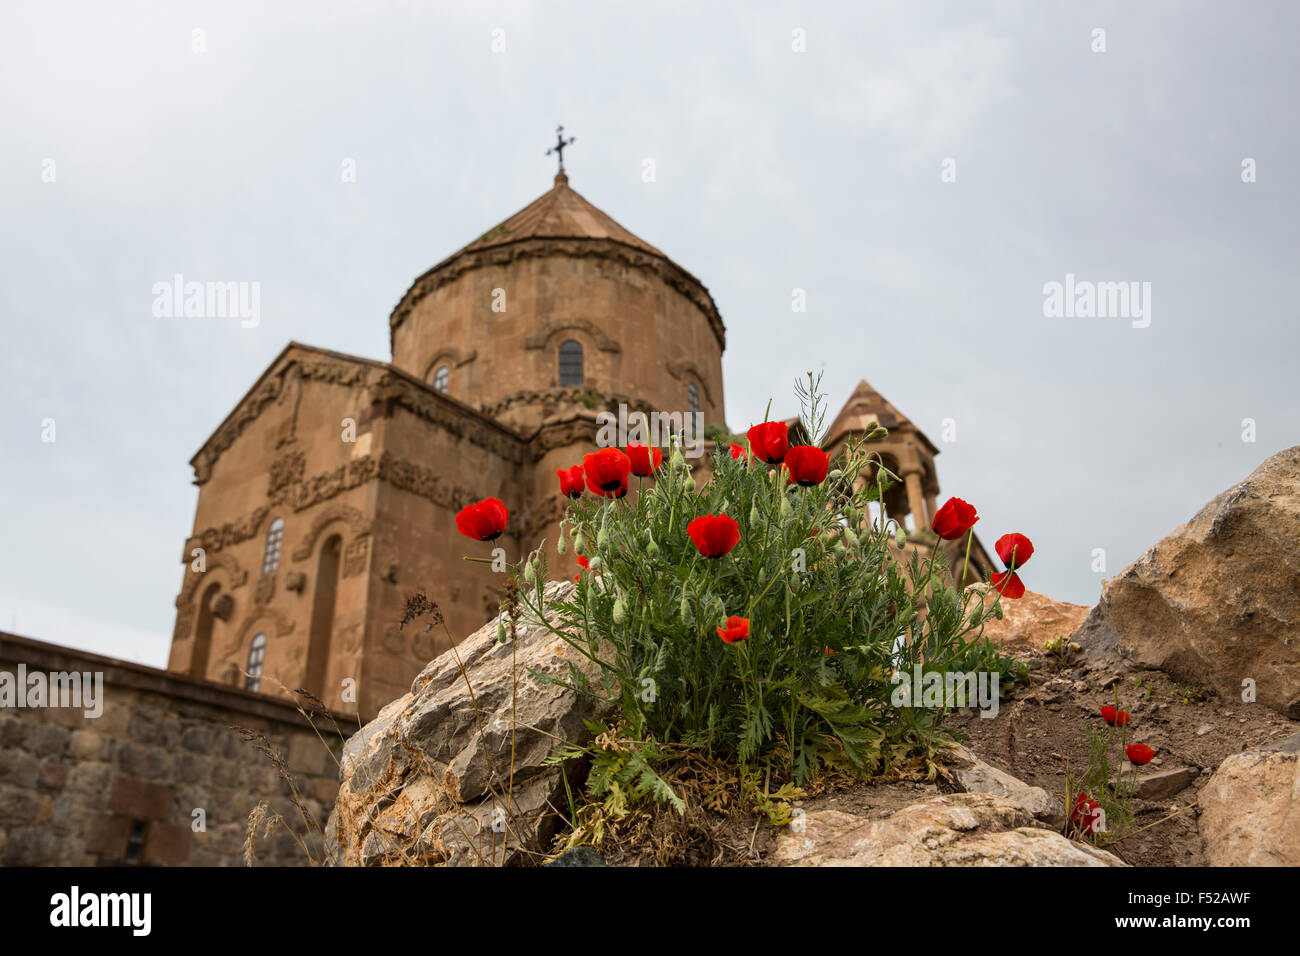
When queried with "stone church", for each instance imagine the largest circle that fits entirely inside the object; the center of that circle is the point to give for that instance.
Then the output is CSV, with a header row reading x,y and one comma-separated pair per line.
x,y
328,494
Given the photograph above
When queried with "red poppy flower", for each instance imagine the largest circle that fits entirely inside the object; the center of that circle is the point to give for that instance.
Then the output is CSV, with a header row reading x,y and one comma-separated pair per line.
x,y
770,441
645,460
737,629
1014,550
739,451
607,471
1086,813
954,519
714,535
1009,583
1139,754
483,521
584,564
807,464
1113,716
571,481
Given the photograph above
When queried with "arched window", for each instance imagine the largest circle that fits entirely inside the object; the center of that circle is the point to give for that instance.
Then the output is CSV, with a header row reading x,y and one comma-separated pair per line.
x,y
441,378
570,363
274,538
256,655
693,397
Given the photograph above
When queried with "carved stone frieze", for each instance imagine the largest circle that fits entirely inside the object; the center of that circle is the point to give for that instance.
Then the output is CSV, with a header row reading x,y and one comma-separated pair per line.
x,y
383,383
244,414
598,335
265,589
659,266
212,540
356,520
355,556
286,471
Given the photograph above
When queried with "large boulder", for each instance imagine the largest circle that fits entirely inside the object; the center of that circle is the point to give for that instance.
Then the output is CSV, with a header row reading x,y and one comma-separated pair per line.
x,y
958,829
453,773
1250,809
1217,602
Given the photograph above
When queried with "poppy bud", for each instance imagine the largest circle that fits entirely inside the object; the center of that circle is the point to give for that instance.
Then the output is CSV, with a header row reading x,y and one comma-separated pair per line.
x,y
593,564
900,536
529,574
686,610
652,549
620,611
560,546
754,516
850,537
786,510
579,542
602,539
501,631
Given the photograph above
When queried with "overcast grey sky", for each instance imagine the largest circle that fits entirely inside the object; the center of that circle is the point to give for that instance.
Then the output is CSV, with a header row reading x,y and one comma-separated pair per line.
x,y
775,170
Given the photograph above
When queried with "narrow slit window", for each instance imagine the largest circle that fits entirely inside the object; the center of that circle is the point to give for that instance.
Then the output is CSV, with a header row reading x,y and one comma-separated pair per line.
x,y
442,378
135,843
693,397
256,656
274,538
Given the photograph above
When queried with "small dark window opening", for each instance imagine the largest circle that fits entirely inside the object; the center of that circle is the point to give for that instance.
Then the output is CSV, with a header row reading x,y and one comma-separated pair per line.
x,y
571,363
442,378
135,842
693,397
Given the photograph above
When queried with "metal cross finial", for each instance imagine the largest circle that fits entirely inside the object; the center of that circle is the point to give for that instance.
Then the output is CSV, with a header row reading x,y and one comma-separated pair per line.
x,y
560,143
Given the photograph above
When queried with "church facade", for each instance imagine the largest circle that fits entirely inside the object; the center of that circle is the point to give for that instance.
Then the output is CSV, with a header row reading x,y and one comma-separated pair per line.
x,y
328,494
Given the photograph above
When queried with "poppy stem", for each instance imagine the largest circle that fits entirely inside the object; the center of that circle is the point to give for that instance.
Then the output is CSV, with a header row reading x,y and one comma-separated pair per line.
x,y
970,536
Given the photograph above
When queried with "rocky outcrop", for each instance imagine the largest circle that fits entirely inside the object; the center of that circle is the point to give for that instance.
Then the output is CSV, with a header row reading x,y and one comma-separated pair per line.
x,y
1217,602
1250,810
960,829
1031,621
973,775
453,773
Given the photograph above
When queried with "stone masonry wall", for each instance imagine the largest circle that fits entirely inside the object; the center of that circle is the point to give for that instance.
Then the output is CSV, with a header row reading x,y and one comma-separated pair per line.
x,y
79,791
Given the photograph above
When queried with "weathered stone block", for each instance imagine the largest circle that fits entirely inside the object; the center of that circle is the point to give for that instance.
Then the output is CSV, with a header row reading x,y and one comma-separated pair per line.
x,y
141,799
166,844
